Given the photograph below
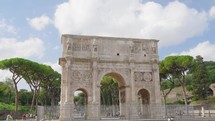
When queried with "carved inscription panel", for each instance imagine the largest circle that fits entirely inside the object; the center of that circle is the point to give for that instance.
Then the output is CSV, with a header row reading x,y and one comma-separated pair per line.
x,y
76,45
81,66
81,45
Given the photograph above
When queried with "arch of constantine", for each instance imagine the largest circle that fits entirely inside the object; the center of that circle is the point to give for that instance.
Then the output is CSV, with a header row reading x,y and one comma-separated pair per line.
x,y
132,62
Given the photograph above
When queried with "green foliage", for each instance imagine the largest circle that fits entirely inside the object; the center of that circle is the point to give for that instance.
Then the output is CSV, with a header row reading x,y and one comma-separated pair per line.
x,y
180,102
7,93
208,101
18,68
200,81
195,98
79,99
179,64
180,70
166,84
36,75
4,106
25,97
210,67
189,87
188,79
44,98
211,100
109,91
51,85
9,96
175,68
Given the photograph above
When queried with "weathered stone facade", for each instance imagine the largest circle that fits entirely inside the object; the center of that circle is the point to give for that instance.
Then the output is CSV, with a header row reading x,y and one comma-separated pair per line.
x,y
212,87
86,59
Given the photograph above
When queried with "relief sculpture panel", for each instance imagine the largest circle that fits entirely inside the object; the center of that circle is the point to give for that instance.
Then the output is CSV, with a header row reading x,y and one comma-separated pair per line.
x,y
76,45
143,76
147,76
85,45
81,75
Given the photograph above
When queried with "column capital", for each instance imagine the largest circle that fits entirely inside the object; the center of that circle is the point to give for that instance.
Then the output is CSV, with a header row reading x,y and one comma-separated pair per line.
x,y
62,61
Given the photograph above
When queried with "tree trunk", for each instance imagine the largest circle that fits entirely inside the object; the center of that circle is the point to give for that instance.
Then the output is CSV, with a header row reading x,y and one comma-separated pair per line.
x,y
165,94
164,99
184,94
16,92
185,99
52,100
16,99
36,103
33,99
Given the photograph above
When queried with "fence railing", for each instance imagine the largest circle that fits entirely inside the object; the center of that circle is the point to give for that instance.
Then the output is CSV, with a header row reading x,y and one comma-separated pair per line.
x,y
134,112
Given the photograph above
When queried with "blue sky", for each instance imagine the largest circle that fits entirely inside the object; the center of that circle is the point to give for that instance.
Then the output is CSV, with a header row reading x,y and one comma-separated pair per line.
x,y
32,28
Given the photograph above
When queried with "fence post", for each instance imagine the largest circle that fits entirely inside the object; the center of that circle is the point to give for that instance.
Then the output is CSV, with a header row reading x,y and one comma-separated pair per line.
x,y
40,113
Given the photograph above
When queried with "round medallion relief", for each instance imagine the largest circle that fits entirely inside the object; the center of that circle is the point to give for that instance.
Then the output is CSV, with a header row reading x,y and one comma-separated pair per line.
x,y
147,76
138,76
76,75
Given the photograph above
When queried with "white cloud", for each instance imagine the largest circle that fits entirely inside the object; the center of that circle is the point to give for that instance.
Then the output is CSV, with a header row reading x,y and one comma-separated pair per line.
x,y
171,24
4,74
7,74
39,23
4,27
10,47
205,49
212,12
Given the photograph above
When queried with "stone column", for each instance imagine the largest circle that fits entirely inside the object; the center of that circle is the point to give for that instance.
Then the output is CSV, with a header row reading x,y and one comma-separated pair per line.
x,y
95,75
133,95
122,100
94,107
68,101
62,63
157,99
132,106
40,113
156,79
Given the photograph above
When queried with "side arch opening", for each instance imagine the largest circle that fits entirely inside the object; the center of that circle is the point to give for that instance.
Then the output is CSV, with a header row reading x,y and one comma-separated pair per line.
x,y
143,103
80,103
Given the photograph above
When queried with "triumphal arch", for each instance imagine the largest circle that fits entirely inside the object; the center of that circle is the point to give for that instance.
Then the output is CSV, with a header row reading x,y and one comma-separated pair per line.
x,y
132,62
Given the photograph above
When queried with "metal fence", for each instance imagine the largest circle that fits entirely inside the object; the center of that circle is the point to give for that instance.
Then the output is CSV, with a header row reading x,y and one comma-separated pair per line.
x,y
135,112
48,112
107,111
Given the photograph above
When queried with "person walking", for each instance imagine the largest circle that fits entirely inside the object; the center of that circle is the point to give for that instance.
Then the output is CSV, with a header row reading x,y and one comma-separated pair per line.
x,y
9,117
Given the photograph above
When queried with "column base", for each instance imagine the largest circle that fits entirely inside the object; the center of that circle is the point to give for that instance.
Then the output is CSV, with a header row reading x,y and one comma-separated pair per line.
x,y
66,112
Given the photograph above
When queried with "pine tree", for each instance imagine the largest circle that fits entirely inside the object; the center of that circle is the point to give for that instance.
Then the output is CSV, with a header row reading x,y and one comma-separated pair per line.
x,y
200,80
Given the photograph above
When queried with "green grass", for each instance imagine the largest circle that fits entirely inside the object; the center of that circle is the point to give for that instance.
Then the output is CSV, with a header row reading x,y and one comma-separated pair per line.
x,y
4,106
209,101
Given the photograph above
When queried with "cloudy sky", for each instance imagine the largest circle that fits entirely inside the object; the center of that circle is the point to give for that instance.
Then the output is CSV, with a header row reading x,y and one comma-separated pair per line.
x,y
32,28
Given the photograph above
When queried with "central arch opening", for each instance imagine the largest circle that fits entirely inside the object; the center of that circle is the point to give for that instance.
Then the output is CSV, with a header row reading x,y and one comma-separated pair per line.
x,y
112,95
